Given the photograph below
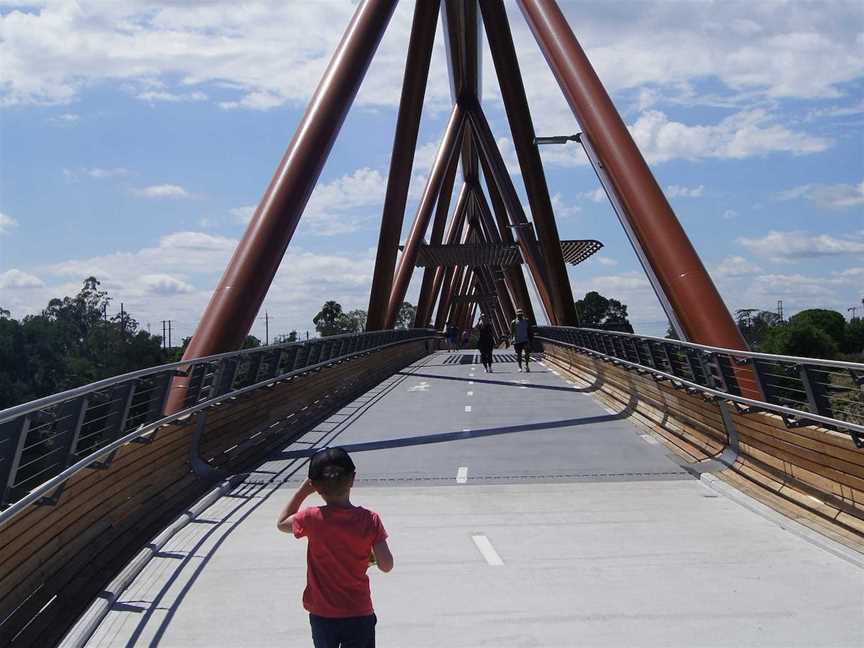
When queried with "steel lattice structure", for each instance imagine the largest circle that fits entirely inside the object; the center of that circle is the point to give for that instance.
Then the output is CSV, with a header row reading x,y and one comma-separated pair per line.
x,y
494,217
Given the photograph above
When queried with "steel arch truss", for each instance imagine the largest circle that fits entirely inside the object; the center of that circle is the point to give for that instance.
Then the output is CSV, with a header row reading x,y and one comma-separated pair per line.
x,y
488,216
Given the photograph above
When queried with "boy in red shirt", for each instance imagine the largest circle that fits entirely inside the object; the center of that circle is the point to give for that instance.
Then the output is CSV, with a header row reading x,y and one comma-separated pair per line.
x,y
344,540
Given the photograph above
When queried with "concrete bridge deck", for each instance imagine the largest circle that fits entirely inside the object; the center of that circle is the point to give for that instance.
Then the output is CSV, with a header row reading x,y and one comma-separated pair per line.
x,y
604,539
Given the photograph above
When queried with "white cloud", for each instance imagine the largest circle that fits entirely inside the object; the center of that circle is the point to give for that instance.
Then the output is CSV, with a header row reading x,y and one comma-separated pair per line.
x,y
744,134
163,284
562,209
64,119
729,214
174,280
837,111
606,261
6,223
117,172
787,246
836,196
850,273
154,96
597,195
678,191
735,266
242,215
171,191
340,206
266,55
14,278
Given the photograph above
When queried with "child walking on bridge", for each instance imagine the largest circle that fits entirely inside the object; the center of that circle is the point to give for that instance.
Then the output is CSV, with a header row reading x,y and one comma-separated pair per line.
x,y
344,541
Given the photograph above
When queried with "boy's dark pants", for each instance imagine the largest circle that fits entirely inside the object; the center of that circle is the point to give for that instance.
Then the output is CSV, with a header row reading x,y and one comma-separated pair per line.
x,y
350,632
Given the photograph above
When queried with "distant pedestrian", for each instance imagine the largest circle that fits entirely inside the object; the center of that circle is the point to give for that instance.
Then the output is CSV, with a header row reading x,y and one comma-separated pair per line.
x,y
451,334
523,335
485,342
344,541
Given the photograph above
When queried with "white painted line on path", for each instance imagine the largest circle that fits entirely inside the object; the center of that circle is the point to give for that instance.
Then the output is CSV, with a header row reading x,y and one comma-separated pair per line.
x,y
470,382
649,439
466,429
487,550
470,393
467,408
462,475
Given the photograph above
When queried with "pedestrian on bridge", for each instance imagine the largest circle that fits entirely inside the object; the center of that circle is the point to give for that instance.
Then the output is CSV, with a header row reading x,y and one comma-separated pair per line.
x,y
522,333
485,342
451,333
344,541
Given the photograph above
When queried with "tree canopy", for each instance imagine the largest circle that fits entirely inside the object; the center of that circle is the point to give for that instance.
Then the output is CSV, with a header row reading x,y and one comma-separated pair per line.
x,y
71,342
596,311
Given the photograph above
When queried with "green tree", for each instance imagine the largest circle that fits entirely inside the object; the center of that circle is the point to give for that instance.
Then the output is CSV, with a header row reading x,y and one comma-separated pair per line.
x,y
755,323
854,337
285,338
829,322
71,343
327,320
405,318
359,316
331,320
251,342
597,311
799,339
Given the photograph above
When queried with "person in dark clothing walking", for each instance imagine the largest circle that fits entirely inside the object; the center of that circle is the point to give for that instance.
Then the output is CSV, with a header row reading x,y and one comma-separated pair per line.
x,y
485,343
523,335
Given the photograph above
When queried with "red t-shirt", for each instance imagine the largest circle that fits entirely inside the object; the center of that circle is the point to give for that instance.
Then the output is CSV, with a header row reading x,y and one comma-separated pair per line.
x,y
340,540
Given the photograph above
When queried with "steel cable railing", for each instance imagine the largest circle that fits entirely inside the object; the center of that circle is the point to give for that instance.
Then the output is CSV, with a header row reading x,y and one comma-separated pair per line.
x,y
47,440
801,390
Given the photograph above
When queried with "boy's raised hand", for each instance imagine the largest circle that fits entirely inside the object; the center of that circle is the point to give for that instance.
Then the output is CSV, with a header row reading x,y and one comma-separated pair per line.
x,y
285,521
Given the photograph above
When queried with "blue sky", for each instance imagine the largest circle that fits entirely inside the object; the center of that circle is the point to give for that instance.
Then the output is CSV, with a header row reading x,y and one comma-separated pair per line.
x,y
135,139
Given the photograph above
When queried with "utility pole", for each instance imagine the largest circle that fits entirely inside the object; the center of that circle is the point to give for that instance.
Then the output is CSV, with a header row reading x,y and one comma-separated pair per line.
x,y
170,346
854,310
266,329
164,339
780,309
122,322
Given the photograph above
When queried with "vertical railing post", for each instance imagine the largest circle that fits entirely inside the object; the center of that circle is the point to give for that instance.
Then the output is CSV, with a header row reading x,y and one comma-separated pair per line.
x,y
9,484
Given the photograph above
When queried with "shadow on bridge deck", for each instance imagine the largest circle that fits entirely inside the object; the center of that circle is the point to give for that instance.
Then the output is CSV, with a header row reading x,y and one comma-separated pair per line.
x,y
605,539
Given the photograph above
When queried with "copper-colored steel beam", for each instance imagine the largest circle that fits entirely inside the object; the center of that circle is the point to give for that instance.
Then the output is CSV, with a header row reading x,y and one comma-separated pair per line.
x,y
241,290
513,274
494,274
450,289
402,158
503,183
461,282
428,288
464,55
489,224
684,280
444,276
446,151
522,129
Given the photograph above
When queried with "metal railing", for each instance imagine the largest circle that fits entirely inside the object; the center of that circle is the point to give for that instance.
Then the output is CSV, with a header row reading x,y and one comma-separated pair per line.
x,y
802,390
46,441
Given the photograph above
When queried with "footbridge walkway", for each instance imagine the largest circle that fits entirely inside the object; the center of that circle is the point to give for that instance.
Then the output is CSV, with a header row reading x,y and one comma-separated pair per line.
x,y
597,500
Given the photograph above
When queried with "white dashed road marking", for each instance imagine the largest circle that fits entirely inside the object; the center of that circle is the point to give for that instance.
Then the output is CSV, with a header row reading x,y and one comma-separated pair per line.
x,y
649,439
467,408
462,475
487,550
470,393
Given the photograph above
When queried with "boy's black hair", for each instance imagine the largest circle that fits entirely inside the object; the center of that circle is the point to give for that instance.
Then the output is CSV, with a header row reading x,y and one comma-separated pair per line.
x,y
331,469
